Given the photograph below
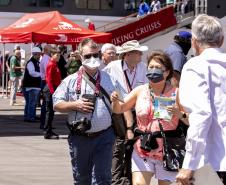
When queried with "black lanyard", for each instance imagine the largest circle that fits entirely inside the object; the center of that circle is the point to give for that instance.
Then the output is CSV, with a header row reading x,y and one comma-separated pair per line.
x,y
127,79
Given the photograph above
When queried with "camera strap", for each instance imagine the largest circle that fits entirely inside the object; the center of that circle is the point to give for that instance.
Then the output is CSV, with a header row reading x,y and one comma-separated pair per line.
x,y
102,92
81,75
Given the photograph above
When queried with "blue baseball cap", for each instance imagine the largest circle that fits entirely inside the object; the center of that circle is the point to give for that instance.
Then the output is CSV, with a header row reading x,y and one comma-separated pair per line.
x,y
184,34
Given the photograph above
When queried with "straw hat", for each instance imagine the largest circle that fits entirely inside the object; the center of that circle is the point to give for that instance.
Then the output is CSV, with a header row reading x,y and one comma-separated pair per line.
x,y
132,45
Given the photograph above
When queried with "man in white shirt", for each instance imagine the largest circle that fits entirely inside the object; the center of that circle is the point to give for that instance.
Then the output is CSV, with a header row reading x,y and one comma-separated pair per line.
x,y
130,72
203,95
108,54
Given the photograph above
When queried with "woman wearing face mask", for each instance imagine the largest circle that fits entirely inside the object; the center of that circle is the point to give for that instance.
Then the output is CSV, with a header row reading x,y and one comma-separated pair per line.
x,y
145,163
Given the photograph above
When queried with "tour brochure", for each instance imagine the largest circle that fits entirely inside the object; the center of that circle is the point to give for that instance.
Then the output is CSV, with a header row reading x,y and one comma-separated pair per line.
x,y
205,175
160,107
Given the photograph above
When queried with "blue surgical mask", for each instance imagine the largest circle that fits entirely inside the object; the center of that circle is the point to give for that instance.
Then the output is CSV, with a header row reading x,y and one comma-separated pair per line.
x,y
155,75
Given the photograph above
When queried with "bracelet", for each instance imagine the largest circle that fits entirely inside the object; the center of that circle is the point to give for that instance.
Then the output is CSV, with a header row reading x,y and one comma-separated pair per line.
x,y
129,128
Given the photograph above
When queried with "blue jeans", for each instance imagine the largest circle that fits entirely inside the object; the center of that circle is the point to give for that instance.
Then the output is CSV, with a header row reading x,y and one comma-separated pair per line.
x,y
31,97
91,158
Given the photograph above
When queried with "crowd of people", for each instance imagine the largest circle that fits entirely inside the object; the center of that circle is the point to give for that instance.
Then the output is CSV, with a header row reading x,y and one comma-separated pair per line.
x,y
117,128
147,7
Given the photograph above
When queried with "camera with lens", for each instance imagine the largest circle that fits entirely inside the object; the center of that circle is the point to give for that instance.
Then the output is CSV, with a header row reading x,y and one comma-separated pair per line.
x,y
148,142
81,126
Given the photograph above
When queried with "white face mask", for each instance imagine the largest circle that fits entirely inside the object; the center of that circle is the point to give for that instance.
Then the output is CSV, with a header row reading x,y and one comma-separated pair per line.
x,y
92,63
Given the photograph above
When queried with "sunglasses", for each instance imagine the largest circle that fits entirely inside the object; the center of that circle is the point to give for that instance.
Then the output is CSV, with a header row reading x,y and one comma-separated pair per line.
x,y
94,55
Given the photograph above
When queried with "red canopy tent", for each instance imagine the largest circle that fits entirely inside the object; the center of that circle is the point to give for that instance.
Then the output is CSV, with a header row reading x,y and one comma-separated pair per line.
x,y
48,27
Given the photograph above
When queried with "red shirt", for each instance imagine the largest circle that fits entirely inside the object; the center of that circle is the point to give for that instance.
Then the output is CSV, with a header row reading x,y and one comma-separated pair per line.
x,y
53,76
91,26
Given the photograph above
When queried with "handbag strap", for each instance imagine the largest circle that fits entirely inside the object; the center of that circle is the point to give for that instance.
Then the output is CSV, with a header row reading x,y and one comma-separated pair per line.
x,y
163,137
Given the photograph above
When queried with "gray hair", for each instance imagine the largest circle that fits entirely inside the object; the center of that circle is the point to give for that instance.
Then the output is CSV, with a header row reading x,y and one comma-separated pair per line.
x,y
108,46
207,30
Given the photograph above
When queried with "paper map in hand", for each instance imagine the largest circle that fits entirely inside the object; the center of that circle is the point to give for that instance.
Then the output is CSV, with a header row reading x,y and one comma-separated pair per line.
x,y
160,107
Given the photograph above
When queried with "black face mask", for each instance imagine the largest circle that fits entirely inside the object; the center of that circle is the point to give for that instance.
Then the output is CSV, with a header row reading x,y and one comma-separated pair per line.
x,y
155,75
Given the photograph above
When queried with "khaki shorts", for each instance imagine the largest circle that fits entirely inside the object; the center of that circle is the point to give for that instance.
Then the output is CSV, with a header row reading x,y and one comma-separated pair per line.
x,y
151,165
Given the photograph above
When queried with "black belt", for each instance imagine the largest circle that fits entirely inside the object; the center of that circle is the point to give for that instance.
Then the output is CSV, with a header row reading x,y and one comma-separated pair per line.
x,y
90,134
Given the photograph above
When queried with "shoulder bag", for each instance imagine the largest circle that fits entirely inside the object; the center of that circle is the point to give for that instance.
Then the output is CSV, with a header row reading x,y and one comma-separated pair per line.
x,y
173,149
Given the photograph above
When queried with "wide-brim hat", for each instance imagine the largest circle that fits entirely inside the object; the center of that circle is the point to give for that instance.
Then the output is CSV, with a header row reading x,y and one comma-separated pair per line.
x,y
132,45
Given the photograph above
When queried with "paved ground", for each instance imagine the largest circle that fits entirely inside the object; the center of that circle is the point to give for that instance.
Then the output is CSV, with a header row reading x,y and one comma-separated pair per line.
x,y
25,157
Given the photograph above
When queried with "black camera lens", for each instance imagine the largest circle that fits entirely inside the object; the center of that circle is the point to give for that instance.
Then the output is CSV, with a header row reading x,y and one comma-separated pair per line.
x,y
82,125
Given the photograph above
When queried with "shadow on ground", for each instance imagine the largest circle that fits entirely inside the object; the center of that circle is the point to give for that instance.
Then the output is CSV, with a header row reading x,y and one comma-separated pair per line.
x,y
13,125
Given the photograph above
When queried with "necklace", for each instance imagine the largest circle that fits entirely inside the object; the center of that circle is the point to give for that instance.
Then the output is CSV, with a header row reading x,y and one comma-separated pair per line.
x,y
152,94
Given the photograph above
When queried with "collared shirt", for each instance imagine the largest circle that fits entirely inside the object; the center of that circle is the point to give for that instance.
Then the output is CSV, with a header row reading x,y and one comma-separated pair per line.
x,y
66,91
53,75
202,93
177,56
136,77
31,70
43,63
14,62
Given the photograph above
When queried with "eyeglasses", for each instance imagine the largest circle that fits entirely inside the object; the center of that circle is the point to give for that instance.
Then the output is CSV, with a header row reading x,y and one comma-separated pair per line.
x,y
94,55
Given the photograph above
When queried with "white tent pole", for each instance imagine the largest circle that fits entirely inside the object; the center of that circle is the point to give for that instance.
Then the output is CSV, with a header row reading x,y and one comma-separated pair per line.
x,y
3,70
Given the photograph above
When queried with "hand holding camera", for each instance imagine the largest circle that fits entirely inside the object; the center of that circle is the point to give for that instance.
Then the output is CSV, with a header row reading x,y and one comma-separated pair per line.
x,y
85,105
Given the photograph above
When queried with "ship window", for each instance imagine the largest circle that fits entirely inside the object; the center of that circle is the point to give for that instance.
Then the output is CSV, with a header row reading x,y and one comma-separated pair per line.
x,y
81,4
106,4
44,3
57,3
131,5
4,2
93,4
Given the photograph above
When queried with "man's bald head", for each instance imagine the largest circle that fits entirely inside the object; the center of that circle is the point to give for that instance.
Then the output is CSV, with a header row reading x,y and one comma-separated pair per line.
x,y
17,54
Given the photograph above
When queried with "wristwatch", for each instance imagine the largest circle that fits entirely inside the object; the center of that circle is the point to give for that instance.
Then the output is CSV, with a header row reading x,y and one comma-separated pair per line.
x,y
184,115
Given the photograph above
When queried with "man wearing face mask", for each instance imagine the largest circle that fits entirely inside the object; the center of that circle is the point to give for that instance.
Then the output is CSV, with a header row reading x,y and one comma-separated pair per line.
x,y
177,52
130,73
91,136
